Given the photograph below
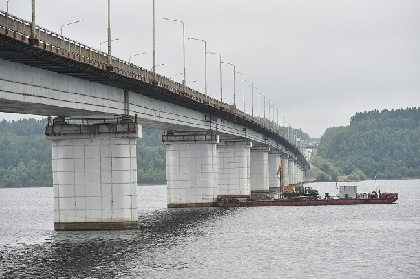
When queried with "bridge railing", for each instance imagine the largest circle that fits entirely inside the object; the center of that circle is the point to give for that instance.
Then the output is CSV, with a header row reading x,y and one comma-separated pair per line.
x,y
73,49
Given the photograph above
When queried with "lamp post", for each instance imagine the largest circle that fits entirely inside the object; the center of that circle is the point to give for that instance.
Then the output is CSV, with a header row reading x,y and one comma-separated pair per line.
x,y
220,67
259,103
7,13
109,32
288,130
234,82
252,99
205,63
33,26
264,105
183,47
154,43
61,28
243,87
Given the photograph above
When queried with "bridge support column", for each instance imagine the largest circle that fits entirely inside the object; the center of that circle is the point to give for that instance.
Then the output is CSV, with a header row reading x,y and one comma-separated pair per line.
x,y
291,168
301,173
234,168
274,163
285,170
191,168
94,175
297,173
259,169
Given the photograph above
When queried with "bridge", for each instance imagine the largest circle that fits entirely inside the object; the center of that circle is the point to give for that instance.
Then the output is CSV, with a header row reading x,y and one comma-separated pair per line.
x,y
97,106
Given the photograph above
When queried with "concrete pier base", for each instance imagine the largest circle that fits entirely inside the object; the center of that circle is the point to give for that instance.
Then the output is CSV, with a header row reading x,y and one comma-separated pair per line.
x,y
191,168
259,169
234,168
94,174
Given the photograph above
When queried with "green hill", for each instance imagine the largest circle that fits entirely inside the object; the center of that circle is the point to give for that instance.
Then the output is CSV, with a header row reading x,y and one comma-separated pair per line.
x,y
25,155
385,143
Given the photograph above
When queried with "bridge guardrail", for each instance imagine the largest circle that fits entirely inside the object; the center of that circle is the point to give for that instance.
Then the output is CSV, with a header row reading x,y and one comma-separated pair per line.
x,y
98,58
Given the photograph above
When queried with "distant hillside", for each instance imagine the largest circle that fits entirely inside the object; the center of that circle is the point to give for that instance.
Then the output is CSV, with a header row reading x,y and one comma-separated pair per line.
x,y
385,143
25,155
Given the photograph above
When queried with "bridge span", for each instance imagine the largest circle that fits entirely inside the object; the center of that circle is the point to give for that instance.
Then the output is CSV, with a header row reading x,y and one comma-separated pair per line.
x,y
99,106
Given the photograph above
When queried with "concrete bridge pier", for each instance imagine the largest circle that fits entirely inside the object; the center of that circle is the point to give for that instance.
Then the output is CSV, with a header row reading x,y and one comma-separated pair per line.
x,y
191,168
291,171
259,169
234,167
94,173
286,179
301,173
298,172
274,163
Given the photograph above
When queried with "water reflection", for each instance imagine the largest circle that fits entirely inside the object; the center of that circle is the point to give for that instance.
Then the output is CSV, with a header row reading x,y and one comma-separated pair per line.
x,y
104,254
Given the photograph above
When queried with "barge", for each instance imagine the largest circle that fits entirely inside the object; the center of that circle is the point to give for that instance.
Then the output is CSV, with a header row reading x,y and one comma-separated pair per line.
x,y
309,197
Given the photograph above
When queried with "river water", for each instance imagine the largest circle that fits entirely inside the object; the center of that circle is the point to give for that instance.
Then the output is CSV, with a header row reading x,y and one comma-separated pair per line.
x,y
355,241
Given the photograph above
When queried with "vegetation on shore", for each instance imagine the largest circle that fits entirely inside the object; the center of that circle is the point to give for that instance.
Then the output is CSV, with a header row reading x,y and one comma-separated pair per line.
x,y
383,143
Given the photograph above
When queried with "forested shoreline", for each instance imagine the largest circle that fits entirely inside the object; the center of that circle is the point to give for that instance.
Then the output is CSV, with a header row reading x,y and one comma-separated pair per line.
x,y
25,155
383,143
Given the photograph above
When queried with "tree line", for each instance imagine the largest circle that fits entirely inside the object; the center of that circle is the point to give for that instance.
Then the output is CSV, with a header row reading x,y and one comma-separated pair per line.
x,y
382,143
25,155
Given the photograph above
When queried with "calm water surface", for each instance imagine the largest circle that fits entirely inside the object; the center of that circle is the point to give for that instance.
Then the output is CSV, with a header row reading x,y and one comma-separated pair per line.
x,y
356,241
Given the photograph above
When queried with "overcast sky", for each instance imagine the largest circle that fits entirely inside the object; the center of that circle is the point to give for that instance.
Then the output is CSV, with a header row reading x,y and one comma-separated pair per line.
x,y
318,61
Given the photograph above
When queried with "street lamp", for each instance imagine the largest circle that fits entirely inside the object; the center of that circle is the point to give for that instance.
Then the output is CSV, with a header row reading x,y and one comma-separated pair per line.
x,y
205,63
61,28
129,59
220,67
243,87
288,130
7,7
259,103
100,45
109,32
234,82
154,43
252,97
264,106
183,46
7,13
33,26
